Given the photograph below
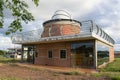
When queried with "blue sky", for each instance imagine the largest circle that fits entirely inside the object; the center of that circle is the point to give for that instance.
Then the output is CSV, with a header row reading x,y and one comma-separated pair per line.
x,y
105,13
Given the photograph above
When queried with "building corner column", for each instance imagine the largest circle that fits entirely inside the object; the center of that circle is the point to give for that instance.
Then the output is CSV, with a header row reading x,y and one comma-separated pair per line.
x,y
95,54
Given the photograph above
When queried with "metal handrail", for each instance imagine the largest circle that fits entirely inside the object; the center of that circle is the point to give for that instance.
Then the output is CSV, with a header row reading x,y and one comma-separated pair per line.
x,y
87,28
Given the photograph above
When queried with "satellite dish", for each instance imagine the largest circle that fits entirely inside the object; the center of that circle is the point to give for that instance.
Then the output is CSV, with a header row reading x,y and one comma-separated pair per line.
x,y
61,14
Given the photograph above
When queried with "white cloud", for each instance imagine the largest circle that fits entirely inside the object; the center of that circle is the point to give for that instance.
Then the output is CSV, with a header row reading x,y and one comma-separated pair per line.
x,y
117,47
47,8
114,31
5,41
106,13
37,24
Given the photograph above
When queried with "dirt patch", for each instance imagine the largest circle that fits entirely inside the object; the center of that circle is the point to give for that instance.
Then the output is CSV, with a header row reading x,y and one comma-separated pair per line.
x,y
34,73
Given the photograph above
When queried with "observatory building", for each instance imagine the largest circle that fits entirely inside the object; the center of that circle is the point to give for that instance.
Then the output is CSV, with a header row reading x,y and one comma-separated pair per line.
x,y
66,42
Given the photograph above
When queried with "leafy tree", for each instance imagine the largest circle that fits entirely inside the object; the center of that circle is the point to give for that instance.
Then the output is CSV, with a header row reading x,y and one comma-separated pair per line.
x,y
2,52
19,9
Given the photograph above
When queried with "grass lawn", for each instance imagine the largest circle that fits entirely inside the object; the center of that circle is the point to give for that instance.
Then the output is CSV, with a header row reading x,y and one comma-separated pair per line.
x,y
112,70
4,60
112,67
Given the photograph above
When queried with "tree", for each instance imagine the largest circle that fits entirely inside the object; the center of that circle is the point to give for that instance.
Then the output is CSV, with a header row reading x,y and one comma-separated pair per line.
x,y
19,9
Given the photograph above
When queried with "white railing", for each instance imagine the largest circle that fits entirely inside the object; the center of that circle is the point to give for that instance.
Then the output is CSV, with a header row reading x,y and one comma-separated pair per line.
x,y
29,36
86,30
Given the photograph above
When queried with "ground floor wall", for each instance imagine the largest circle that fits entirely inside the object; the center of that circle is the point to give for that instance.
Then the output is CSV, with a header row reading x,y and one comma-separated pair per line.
x,y
86,53
78,54
43,58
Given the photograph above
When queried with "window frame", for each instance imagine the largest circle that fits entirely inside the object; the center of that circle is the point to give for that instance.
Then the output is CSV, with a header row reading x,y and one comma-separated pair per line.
x,y
60,54
50,56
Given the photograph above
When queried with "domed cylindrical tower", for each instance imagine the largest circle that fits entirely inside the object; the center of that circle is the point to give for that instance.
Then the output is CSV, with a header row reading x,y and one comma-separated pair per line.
x,y
61,24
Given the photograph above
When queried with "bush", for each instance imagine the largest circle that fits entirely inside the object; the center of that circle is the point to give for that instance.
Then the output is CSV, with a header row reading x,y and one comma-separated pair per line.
x,y
2,52
72,73
115,78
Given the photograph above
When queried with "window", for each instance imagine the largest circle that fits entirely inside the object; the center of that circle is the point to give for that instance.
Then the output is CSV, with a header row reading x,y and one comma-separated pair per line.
x,y
102,53
62,54
50,54
82,54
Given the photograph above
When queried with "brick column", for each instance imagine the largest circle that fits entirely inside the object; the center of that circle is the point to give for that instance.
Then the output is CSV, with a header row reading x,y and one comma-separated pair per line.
x,y
111,54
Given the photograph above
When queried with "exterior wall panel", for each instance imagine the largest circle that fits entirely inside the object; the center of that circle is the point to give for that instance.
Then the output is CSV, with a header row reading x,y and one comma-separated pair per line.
x,y
43,59
43,49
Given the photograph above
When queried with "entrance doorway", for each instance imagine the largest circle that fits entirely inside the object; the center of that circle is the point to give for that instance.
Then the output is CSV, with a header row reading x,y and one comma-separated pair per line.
x,y
82,54
29,54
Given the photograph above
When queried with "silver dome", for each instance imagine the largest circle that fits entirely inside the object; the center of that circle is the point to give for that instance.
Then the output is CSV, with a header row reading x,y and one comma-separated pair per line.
x,y
61,14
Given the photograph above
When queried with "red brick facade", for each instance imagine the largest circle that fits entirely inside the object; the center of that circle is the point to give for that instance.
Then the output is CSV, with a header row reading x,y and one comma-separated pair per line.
x,y
111,54
61,28
58,29
60,34
55,47
55,61
43,59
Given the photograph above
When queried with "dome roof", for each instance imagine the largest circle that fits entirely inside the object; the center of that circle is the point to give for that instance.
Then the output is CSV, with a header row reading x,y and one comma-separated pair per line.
x,y
61,14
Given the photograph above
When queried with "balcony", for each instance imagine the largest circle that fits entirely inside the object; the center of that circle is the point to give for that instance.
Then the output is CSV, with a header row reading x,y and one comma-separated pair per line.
x,y
87,30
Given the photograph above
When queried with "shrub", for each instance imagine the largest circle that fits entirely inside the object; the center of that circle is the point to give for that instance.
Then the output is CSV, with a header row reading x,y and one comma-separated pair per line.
x,y
2,52
115,78
72,73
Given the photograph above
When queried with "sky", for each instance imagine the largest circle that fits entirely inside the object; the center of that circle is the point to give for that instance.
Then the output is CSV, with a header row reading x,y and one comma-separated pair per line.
x,y
105,13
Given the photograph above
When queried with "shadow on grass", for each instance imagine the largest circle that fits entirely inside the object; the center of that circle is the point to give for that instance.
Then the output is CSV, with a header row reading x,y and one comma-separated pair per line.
x,y
71,73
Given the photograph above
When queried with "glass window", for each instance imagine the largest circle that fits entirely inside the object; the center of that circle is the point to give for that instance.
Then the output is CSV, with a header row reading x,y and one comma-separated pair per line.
x,y
62,54
82,54
50,54
102,53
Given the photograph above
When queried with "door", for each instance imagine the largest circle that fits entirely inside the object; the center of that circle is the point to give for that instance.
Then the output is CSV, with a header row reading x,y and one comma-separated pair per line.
x,y
29,53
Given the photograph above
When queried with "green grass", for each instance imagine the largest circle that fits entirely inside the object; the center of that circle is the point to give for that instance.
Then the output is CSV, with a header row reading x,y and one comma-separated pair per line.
x,y
12,78
112,67
97,74
112,75
4,59
2,52
72,73
112,70
115,78
34,69
9,78
102,60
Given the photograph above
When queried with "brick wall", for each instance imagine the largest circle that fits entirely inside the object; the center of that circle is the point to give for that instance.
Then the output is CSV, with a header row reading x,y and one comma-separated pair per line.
x,y
111,54
55,61
70,29
60,29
